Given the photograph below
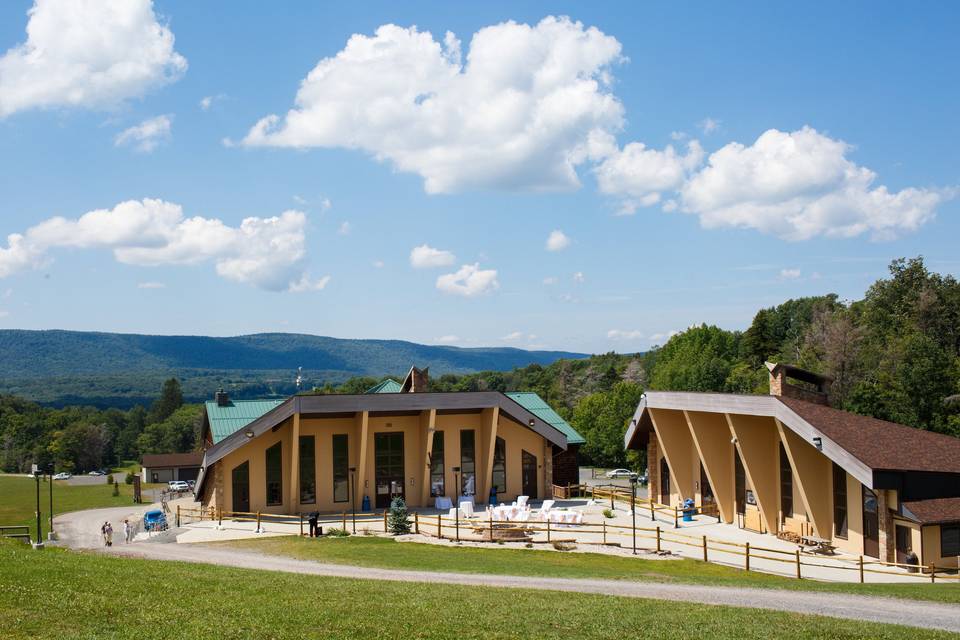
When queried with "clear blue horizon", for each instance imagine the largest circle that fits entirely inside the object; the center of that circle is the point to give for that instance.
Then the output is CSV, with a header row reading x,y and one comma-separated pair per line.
x,y
584,184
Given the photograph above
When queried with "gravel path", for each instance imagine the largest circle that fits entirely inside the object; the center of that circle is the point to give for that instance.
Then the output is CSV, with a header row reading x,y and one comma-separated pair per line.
x,y
912,613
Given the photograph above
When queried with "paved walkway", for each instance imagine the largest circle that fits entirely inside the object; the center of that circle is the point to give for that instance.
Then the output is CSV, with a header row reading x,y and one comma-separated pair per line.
x,y
875,609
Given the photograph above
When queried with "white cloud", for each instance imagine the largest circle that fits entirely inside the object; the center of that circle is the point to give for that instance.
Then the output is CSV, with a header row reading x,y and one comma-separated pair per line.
x,y
513,336
306,283
265,252
522,112
578,277
208,101
800,185
621,334
447,339
789,274
550,281
657,337
639,175
151,285
708,125
147,135
426,257
378,264
557,240
344,228
88,53
325,204
469,281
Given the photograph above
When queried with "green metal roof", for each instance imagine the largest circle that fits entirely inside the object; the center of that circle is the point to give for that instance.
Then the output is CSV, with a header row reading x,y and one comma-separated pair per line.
x,y
235,416
387,386
538,407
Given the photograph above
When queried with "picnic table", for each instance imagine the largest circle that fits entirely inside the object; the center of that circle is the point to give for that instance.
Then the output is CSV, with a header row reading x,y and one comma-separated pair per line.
x,y
820,545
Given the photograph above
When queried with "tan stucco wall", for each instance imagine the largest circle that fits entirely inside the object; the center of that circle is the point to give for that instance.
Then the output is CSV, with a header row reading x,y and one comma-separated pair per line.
x,y
711,437
676,445
812,485
758,442
931,548
486,425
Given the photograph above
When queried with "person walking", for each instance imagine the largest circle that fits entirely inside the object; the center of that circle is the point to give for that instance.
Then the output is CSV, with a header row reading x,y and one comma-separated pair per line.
x,y
312,519
126,531
109,534
103,533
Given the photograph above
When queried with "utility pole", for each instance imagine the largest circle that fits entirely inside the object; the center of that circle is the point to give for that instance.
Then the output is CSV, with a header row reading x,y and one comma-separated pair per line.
x,y
52,535
36,476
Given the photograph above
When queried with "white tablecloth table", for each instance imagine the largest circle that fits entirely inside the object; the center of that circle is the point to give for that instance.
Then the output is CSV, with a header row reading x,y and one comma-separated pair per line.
x,y
443,502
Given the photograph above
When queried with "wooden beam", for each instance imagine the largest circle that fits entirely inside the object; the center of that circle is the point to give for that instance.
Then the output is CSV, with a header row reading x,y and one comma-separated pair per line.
x,y
295,466
813,473
711,436
757,440
362,429
676,444
488,435
428,426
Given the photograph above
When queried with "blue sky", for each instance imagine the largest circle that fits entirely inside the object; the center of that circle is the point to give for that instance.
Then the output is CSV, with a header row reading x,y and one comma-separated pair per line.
x,y
786,151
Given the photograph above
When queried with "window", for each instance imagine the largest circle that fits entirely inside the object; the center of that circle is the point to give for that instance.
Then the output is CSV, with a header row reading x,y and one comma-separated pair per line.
x,y
949,541
468,468
500,466
308,470
274,475
341,468
786,485
437,485
839,501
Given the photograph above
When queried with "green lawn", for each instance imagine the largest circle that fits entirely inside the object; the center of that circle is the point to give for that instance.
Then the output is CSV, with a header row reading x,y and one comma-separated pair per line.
x,y
18,500
62,595
387,553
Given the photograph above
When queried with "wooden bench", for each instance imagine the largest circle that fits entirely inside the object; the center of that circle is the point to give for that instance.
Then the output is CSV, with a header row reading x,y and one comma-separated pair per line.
x,y
820,545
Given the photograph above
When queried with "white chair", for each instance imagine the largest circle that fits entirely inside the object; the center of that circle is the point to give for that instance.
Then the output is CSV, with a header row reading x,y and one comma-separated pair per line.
x,y
547,505
522,501
466,509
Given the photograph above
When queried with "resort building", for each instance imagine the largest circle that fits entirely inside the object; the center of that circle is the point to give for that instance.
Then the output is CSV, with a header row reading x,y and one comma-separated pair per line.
x,y
164,467
336,452
789,464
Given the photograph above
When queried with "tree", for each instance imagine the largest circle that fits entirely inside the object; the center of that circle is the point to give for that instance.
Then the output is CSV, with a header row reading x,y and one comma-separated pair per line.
x,y
397,519
177,434
171,399
698,359
601,418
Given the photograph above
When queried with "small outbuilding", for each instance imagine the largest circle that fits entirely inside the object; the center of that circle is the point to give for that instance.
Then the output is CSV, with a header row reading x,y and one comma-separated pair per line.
x,y
164,467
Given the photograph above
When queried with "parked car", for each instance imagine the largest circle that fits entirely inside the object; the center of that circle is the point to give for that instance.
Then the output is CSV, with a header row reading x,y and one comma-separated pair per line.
x,y
620,473
154,521
643,479
96,473
178,485
63,475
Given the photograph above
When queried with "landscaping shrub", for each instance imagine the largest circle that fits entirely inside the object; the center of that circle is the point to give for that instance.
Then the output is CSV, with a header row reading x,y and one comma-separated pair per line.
x,y
128,479
608,513
564,546
116,489
337,532
397,520
110,479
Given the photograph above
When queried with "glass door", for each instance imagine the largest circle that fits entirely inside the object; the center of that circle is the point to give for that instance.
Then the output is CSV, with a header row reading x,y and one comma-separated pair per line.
x,y
388,467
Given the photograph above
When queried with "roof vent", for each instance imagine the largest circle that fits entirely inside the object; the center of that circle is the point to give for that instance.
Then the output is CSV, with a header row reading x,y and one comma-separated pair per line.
x,y
222,398
812,387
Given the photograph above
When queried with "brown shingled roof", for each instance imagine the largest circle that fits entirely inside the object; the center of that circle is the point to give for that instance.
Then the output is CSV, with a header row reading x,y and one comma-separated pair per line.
x,y
880,444
159,460
934,511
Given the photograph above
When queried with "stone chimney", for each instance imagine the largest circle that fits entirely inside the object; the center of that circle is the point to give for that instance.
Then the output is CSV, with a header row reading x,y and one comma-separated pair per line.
x,y
813,387
416,381
222,398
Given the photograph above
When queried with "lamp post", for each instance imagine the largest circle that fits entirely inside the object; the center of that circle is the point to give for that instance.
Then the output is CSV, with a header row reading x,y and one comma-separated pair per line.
x,y
633,509
51,535
36,476
456,488
353,496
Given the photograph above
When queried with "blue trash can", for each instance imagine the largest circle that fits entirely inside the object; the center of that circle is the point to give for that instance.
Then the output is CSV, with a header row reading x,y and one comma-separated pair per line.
x,y
365,505
689,510
493,496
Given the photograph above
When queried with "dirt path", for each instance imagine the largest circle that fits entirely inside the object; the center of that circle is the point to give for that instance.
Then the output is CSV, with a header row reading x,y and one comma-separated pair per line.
x,y
81,529
875,609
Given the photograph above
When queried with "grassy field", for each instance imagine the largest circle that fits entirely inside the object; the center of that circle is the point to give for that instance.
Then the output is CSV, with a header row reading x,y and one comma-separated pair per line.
x,y
18,500
63,595
387,553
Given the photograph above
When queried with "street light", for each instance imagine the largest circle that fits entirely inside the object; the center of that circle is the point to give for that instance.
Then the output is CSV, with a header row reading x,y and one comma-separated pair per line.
x,y
52,535
633,509
456,488
36,476
353,496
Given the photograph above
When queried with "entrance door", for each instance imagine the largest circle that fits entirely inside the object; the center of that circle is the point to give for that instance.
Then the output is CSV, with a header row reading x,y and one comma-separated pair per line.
x,y
664,481
740,481
707,502
529,475
903,543
388,465
871,524
241,488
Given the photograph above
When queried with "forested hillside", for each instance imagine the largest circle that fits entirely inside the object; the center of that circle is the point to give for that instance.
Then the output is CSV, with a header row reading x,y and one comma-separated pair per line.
x,y
895,355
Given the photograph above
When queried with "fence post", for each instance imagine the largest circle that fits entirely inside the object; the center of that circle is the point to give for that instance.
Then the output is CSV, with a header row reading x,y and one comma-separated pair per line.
x,y
747,561
861,569
653,514
301,523
604,532
439,527
220,516
491,526
705,548
798,564
676,518
933,573
384,520
344,519
416,522
611,499
658,538
548,530
178,515
258,522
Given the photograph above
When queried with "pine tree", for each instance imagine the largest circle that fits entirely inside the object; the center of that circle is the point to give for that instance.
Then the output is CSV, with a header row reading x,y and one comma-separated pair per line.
x,y
171,399
397,521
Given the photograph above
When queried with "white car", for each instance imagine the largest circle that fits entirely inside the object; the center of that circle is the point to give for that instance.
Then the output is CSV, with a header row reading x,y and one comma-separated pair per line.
x,y
63,475
620,473
96,473
178,485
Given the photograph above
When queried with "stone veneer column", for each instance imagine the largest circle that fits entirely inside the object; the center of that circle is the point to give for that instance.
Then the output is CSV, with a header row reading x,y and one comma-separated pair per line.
x,y
888,537
653,468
